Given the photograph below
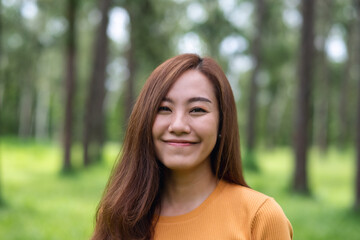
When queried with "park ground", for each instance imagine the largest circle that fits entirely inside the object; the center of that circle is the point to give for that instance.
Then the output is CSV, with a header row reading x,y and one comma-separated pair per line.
x,y
42,203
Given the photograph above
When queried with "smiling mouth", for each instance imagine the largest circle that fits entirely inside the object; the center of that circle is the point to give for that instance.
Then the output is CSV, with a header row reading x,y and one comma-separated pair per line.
x,y
179,143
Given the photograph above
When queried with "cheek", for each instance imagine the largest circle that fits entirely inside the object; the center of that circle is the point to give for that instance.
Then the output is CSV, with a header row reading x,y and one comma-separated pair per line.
x,y
156,129
209,127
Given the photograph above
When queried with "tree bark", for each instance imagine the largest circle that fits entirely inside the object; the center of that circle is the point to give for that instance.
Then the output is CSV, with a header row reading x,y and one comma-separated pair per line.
x,y
2,84
69,83
322,103
357,144
25,108
94,135
343,107
42,111
252,110
357,201
305,72
130,88
276,118
144,31
136,30
1,102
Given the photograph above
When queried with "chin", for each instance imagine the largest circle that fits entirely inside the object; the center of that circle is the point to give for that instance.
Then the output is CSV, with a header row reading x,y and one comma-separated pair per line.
x,y
183,164
178,166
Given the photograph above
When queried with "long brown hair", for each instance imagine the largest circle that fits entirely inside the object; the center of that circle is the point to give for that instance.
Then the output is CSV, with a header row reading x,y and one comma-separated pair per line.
x,y
131,202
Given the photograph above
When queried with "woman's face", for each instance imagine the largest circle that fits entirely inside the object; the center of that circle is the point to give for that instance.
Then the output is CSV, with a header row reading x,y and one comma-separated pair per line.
x,y
186,125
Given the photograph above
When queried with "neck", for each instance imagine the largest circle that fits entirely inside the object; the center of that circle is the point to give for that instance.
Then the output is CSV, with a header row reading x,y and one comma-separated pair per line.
x,y
186,190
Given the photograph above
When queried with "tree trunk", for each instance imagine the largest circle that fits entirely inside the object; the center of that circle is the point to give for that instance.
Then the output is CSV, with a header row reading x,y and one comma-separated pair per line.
x,y
144,31
252,110
25,108
343,107
94,117
357,144
276,116
136,26
357,201
304,93
130,99
69,83
42,111
2,85
322,103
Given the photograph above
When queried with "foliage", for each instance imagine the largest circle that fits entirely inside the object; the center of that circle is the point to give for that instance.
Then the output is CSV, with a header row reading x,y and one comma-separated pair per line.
x,y
32,61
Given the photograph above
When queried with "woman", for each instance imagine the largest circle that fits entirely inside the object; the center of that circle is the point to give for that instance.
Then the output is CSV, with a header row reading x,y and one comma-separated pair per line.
x,y
179,175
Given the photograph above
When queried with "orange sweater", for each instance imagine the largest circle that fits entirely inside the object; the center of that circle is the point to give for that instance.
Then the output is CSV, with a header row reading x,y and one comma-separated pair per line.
x,y
230,212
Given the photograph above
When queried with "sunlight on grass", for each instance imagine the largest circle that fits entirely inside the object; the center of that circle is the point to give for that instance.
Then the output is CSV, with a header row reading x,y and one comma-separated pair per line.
x,y
42,203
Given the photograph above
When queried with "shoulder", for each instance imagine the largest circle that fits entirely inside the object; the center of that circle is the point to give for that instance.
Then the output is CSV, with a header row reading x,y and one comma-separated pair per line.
x,y
270,220
266,218
246,196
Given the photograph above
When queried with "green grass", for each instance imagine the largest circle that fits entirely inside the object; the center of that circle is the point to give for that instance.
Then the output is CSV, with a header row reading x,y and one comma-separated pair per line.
x,y
42,203
327,213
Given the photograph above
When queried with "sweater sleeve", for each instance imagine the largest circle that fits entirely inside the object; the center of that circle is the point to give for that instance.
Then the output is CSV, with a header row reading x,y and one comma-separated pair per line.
x,y
270,223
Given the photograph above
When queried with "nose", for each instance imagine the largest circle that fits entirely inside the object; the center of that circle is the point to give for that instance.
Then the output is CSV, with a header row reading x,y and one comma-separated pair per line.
x,y
179,124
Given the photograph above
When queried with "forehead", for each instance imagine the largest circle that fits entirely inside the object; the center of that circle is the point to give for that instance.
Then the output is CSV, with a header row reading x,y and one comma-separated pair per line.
x,y
192,83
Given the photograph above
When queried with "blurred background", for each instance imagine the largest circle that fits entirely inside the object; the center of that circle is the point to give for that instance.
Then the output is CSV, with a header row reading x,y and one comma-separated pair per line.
x,y
71,71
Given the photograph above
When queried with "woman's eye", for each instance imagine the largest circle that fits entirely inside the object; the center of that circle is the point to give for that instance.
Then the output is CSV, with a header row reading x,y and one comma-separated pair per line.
x,y
198,110
164,109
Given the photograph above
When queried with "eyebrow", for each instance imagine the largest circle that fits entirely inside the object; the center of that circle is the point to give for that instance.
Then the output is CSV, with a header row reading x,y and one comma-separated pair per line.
x,y
191,100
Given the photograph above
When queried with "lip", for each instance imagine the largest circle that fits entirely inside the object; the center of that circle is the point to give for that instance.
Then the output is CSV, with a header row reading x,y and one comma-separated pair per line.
x,y
179,142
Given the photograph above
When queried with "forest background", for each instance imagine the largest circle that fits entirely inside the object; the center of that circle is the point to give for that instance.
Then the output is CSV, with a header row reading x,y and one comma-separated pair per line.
x,y
71,71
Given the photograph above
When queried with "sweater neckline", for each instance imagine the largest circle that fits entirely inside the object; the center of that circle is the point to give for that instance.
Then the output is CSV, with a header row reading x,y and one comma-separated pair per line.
x,y
187,216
